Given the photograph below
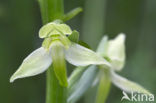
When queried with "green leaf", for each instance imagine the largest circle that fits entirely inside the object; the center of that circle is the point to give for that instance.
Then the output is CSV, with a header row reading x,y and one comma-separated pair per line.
x,y
57,52
82,84
81,56
53,29
37,62
126,85
116,52
74,37
72,14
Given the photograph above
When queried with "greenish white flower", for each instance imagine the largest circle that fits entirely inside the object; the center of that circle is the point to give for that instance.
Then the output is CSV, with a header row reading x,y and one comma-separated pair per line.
x,y
55,49
114,52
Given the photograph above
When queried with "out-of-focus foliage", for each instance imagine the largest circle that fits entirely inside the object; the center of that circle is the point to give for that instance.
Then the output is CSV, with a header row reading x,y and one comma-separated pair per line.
x,y
20,21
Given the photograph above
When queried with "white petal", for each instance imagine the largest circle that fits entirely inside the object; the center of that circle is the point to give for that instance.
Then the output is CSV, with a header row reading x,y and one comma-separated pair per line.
x,y
81,56
126,85
116,52
102,47
83,82
36,63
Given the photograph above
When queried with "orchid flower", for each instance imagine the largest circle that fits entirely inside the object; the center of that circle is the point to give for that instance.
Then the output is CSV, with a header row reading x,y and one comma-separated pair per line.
x,y
114,52
55,48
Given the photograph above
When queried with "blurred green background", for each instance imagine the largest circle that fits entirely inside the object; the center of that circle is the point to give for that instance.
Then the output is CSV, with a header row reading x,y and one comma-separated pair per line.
x,y
20,21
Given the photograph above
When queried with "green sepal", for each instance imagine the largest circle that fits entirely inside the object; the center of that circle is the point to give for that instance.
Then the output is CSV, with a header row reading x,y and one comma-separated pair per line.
x,y
59,63
74,37
54,28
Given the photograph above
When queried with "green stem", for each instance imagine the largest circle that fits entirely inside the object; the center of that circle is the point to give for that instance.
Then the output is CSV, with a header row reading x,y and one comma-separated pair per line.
x,y
104,87
50,11
55,92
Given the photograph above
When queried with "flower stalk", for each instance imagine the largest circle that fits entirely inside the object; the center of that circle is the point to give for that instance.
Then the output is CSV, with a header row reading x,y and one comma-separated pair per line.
x,y
103,87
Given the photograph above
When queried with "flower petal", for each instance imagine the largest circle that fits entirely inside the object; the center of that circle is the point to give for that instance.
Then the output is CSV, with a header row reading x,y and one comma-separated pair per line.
x,y
81,56
36,63
82,84
116,52
126,85
102,47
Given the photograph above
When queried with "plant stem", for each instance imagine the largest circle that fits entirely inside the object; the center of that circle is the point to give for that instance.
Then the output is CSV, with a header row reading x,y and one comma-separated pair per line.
x,y
50,11
104,87
55,92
